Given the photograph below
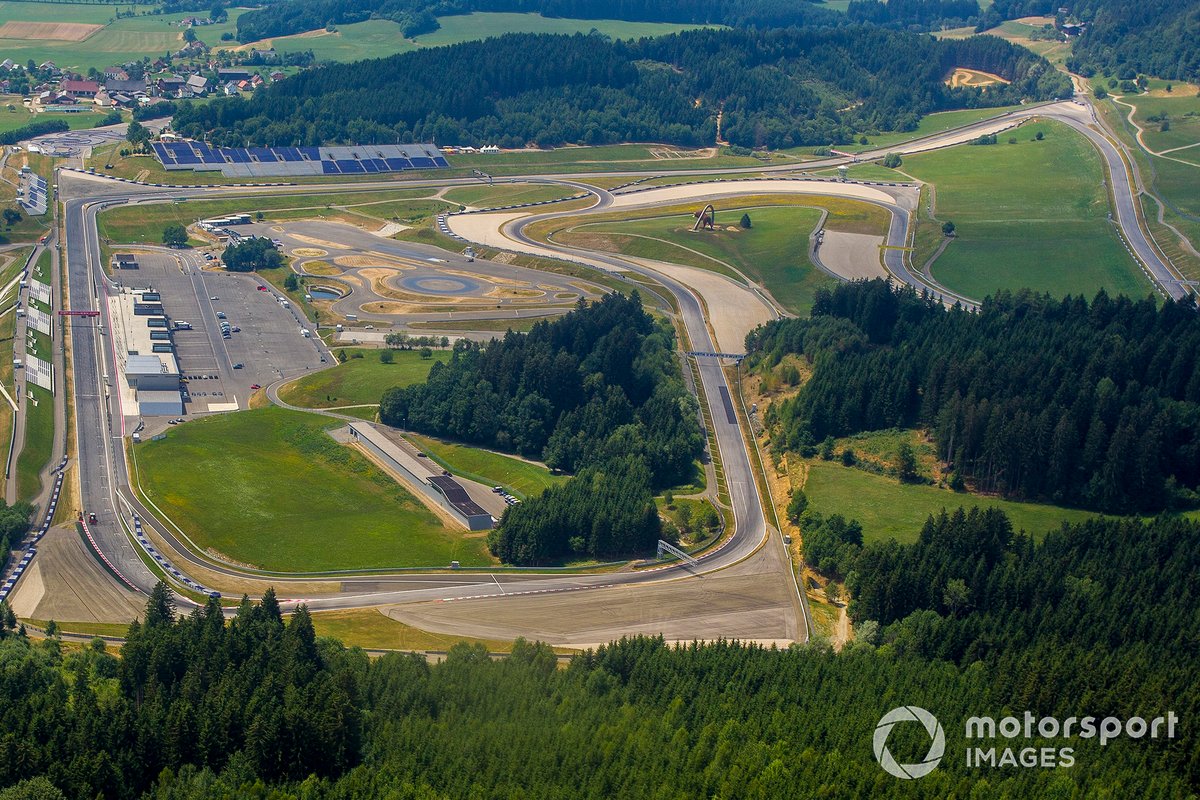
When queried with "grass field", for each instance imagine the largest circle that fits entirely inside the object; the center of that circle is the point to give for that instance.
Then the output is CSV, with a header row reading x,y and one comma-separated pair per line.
x,y
1181,113
145,223
929,125
120,40
1016,206
358,380
506,194
499,326
773,252
269,487
372,630
379,38
889,509
493,469
39,440
19,116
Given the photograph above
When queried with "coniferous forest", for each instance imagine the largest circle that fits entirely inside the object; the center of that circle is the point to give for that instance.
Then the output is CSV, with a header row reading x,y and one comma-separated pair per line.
x,y
779,88
1088,404
597,392
972,619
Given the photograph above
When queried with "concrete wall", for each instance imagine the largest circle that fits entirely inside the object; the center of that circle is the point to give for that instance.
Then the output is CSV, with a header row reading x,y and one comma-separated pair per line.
x,y
414,472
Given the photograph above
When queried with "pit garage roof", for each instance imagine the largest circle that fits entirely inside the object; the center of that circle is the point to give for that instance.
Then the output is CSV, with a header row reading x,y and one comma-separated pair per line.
x,y
457,496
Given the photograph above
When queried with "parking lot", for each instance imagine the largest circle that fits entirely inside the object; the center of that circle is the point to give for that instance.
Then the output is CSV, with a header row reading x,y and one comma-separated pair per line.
x,y
267,343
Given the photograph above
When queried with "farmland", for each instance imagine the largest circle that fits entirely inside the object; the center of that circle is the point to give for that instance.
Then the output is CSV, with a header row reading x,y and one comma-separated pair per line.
x,y
117,40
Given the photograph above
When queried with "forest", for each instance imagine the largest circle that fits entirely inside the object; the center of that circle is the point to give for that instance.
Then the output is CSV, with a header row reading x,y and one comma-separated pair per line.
x,y
1156,37
923,14
812,86
970,619
285,17
596,392
1088,404
14,523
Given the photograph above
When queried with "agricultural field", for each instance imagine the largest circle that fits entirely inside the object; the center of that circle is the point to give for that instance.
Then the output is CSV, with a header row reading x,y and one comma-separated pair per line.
x,y
493,469
105,39
889,509
772,252
358,381
270,488
379,38
1015,204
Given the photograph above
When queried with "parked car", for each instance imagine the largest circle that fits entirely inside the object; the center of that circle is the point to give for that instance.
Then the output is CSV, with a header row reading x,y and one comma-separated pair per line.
x,y
238,365
255,386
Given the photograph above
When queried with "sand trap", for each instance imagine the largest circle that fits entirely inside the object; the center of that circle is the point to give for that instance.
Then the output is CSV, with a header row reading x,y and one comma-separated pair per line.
x,y
973,77
318,242
852,255
707,191
24,601
54,31
485,228
381,263
733,310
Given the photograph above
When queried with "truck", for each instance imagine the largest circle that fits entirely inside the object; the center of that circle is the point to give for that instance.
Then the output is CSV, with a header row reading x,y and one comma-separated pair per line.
x,y
180,325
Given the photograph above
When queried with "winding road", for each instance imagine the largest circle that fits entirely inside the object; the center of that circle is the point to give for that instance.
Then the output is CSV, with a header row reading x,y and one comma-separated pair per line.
x,y
100,426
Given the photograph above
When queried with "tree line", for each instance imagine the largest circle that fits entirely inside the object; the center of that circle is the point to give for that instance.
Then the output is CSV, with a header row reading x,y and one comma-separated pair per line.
x,y
197,708
597,389
780,88
1090,404
14,524
285,17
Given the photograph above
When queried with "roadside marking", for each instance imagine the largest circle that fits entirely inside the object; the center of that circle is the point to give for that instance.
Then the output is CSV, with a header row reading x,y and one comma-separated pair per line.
x,y
498,586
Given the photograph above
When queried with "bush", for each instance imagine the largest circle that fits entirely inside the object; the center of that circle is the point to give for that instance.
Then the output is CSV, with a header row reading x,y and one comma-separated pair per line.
x,y
175,236
386,356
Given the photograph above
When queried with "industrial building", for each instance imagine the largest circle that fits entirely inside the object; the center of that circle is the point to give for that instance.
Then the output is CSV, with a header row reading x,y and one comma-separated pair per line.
x,y
146,354
419,475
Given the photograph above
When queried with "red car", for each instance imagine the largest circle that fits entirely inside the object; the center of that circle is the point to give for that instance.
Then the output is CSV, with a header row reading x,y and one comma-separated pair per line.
x,y
92,518
262,288
255,386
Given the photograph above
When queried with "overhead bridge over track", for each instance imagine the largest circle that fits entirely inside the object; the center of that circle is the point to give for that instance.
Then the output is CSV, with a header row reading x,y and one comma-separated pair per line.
x,y
700,354
670,549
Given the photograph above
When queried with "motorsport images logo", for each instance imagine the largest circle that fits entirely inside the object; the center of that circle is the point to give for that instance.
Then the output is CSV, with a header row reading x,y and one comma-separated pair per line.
x,y
937,745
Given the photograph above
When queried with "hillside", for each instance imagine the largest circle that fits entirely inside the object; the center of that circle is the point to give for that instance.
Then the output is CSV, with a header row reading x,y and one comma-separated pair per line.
x,y
285,17
804,86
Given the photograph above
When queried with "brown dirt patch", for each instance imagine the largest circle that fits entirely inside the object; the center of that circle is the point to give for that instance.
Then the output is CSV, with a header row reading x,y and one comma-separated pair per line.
x,y
54,31
309,252
377,262
973,77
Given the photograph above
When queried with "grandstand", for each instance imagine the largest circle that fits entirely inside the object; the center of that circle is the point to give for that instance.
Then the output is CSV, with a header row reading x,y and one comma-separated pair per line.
x,y
261,162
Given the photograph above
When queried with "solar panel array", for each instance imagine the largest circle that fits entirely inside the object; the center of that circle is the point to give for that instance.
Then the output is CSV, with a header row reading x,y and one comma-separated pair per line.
x,y
254,162
33,194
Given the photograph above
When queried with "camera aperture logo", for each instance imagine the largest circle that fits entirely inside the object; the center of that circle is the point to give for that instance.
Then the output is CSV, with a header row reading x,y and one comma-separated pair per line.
x,y
937,745
1031,729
